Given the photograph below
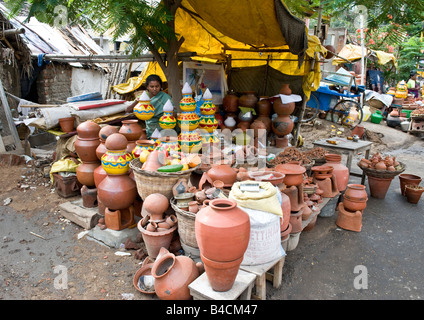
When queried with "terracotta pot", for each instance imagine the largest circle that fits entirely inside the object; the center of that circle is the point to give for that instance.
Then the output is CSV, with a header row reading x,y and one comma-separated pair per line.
x,y
193,206
141,145
274,177
67,124
265,120
340,171
293,173
145,270
85,173
155,206
379,186
285,89
99,175
221,274
154,241
119,219
130,129
117,191
172,276
224,173
322,172
311,224
153,161
286,232
286,208
116,141
88,130
264,106
296,221
355,197
283,109
248,99
106,131
222,230
413,193
281,142
101,149
405,178
282,125
86,148
230,102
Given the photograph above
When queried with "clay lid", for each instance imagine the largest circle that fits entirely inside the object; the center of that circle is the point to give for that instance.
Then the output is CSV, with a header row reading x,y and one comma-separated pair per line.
x,y
116,141
290,168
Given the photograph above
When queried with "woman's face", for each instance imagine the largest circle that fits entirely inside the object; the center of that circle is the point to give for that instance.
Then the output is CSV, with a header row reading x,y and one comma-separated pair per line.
x,y
153,87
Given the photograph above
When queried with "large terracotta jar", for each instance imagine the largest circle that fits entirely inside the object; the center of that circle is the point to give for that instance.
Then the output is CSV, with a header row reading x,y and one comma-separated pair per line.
x,y
283,109
355,197
104,132
130,129
85,172
117,191
230,102
264,106
222,230
87,141
248,99
282,125
286,207
222,234
172,276
88,130
340,171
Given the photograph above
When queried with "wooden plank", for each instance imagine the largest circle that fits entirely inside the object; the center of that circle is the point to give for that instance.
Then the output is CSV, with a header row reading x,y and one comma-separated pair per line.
x,y
10,121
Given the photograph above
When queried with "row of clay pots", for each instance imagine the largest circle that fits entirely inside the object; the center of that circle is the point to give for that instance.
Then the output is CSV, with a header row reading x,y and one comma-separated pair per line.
x,y
410,187
351,209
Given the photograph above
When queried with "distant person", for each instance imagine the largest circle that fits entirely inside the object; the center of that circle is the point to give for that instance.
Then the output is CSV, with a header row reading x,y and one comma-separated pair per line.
x,y
158,98
412,84
376,80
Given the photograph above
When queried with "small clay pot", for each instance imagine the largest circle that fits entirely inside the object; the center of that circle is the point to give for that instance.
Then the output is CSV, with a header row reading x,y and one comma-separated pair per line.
x,y
411,179
67,124
413,193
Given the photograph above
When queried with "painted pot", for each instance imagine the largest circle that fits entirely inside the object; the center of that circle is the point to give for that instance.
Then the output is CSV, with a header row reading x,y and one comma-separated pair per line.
x,y
167,121
188,121
222,230
190,141
187,103
405,178
144,110
142,145
168,144
208,123
130,129
116,162
172,276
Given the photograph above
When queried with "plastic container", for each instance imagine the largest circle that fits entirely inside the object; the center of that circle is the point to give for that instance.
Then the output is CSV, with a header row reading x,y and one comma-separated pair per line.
x,y
376,117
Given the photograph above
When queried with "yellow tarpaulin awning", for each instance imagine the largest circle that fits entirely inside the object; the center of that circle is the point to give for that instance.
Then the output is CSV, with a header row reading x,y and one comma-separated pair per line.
x,y
353,53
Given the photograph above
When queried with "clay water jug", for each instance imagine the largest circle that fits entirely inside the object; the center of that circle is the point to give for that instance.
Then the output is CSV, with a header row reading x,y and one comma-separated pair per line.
x,y
340,171
223,172
355,197
230,102
172,276
117,191
282,125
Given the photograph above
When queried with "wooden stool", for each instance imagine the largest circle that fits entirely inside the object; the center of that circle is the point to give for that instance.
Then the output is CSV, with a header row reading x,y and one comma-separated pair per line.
x,y
201,289
262,274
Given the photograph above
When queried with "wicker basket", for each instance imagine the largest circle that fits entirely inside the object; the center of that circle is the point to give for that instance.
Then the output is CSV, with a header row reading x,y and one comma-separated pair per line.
x,y
383,173
185,229
149,182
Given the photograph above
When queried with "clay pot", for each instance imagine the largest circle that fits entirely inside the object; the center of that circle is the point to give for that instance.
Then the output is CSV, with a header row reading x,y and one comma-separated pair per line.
x,y
141,145
86,148
286,208
355,197
116,141
286,232
145,270
330,51
131,129
379,186
265,120
106,131
282,125
221,275
153,161
99,175
296,221
285,89
222,230
230,102
248,99
171,220
67,124
154,241
411,179
119,219
88,130
340,171
172,276
281,142
293,173
193,207
413,193
155,205
224,173
274,177
117,191
283,109
264,106
101,149
85,173
322,172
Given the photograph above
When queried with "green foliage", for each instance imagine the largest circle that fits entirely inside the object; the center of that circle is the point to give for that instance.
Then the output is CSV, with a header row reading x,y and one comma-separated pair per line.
x,y
409,53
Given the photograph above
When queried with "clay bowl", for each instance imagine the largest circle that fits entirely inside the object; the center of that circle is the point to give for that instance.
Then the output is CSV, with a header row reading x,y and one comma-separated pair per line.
x,y
274,177
144,271
293,173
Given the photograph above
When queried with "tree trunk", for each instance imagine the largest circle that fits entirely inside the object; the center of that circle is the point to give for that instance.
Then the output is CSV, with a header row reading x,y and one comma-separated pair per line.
x,y
173,75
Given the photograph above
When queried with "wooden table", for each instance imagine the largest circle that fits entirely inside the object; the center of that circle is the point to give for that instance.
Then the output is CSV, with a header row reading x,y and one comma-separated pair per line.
x,y
348,147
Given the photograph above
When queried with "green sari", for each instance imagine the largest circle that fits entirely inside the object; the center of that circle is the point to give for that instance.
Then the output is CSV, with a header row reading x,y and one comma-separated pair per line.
x,y
158,101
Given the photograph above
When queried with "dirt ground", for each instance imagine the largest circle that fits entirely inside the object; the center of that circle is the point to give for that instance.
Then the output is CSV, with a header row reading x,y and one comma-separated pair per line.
x,y
37,241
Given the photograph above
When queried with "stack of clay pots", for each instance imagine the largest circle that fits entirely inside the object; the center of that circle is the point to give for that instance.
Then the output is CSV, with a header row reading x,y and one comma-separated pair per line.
x,y
117,191
340,171
222,233
156,228
282,125
351,209
410,187
133,132
208,122
85,146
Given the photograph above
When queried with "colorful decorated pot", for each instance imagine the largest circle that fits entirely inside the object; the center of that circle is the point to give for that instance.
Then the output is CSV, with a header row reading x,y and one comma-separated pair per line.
x,y
141,145
144,110
188,121
187,103
116,162
168,144
208,123
190,141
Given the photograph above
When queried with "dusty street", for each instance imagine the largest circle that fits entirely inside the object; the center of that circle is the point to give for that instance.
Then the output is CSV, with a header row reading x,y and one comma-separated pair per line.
x,y
38,244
